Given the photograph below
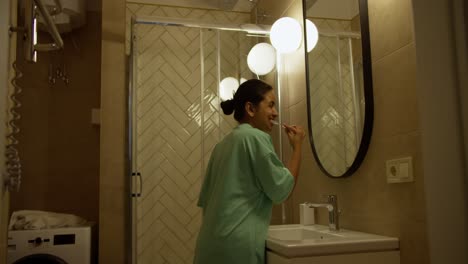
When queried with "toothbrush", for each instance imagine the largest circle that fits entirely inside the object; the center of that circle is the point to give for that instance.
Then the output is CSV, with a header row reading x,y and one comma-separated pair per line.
x,y
276,123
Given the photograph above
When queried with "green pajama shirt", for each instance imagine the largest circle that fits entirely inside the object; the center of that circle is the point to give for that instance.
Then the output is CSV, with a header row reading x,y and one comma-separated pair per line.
x,y
243,179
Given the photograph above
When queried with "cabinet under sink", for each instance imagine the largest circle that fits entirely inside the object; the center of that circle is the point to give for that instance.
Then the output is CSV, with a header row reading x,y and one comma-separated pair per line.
x,y
316,244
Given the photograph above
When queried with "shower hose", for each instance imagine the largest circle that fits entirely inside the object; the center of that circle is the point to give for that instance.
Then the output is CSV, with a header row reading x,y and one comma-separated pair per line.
x,y
13,162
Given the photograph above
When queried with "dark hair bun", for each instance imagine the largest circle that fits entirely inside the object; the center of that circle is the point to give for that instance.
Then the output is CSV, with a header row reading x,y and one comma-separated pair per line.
x,y
228,107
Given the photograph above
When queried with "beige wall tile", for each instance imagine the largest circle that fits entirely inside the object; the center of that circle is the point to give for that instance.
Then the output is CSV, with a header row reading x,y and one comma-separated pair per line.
x,y
367,201
395,93
390,26
382,201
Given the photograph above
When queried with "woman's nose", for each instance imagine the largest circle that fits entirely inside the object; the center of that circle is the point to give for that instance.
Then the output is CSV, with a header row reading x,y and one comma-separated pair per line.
x,y
275,113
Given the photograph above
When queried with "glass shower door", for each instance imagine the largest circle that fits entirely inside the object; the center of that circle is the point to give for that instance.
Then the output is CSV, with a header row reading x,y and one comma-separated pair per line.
x,y
176,123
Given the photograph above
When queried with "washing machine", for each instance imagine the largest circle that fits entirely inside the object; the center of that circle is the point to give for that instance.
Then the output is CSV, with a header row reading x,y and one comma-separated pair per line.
x,y
70,245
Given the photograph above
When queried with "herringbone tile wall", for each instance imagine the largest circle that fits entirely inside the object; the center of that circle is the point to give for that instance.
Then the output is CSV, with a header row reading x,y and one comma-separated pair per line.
x,y
332,105
179,122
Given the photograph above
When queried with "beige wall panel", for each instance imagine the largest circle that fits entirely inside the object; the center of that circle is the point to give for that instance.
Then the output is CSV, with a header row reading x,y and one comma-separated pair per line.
x,y
113,243
396,96
367,201
114,248
59,146
390,26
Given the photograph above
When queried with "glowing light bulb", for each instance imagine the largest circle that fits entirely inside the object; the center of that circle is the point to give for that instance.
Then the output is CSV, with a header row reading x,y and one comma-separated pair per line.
x,y
312,35
261,59
286,35
227,87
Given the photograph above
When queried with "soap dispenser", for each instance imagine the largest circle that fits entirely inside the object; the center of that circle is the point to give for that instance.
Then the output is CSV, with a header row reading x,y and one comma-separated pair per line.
x,y
306,214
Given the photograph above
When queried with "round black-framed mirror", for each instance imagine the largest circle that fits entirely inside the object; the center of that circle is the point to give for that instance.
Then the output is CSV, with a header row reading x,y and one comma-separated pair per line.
x,y
340,105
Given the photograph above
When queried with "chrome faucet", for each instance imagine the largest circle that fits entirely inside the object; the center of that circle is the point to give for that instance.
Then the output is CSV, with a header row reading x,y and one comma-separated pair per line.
x,y
333,212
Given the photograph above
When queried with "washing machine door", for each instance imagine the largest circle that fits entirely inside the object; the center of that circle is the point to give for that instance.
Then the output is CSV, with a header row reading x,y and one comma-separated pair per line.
x,y
40,259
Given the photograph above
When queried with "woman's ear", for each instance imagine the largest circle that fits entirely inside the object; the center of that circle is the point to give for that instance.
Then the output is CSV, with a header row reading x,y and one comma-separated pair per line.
x,y
250,109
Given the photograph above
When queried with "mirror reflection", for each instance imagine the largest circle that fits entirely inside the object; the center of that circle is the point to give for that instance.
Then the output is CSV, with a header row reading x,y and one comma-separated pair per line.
x,y
336,84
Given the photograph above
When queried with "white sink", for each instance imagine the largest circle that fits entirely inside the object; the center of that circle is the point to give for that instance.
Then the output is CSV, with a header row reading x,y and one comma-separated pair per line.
x,y
300,241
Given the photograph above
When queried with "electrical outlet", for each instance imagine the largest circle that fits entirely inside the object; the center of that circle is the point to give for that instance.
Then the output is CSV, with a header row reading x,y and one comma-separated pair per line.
x,y
399,170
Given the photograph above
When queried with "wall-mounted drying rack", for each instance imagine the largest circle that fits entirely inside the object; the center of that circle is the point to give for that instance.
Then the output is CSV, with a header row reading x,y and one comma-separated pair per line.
x,y
32,9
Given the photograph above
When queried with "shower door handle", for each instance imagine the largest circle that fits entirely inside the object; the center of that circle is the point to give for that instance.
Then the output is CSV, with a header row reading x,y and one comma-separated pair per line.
x,y
138,178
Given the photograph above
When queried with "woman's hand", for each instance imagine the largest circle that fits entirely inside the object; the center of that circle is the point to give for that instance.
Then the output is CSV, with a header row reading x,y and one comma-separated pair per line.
x,y
295,134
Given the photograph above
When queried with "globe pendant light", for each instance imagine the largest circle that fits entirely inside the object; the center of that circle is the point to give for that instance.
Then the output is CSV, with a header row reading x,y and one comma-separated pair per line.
x,y
261,59
312,35
227,87
286,35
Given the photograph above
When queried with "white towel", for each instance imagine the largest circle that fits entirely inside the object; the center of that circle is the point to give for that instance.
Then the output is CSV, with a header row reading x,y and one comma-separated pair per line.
x,y
34,220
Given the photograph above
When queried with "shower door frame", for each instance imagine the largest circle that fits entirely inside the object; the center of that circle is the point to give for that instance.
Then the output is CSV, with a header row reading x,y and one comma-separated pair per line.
x,y
135,180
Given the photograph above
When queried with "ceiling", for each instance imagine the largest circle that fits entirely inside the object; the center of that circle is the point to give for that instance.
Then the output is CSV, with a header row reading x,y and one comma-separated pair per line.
x,y
338,9
335,9
228,5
